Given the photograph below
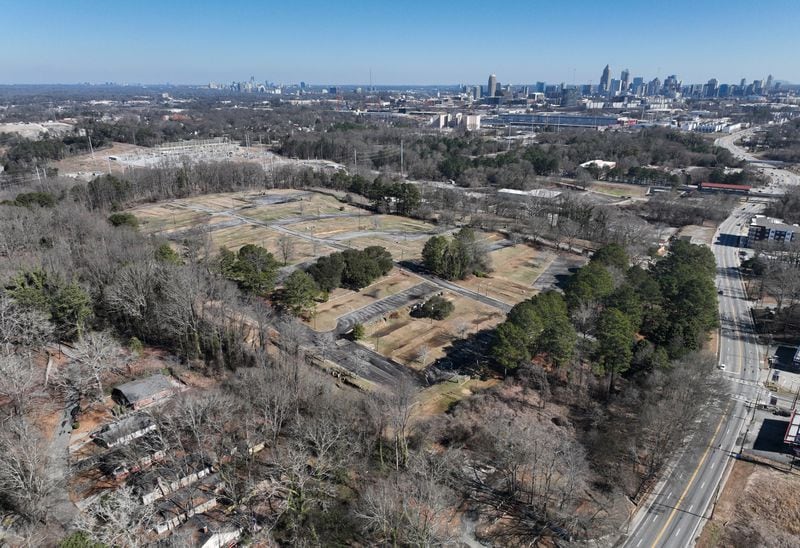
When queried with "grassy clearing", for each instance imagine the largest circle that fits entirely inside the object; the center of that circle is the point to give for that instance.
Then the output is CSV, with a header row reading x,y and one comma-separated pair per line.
x,y
236,236
303,206
168,217
343,301
332,228
438,399
416,342
515,269
217,202
400,249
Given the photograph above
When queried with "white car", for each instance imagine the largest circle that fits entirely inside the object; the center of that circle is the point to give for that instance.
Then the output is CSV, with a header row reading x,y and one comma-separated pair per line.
x,y
721,367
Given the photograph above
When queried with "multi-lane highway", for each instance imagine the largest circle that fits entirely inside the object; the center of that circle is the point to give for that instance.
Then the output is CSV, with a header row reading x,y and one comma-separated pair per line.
x,y
680,504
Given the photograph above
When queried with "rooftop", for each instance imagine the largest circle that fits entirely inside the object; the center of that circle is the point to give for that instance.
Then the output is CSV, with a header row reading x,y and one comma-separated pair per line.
x,y
126,427
725,186
141,389
772,223
536,193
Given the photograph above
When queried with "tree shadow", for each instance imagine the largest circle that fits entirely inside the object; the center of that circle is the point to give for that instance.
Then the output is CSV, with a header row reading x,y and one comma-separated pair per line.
x,y
468,356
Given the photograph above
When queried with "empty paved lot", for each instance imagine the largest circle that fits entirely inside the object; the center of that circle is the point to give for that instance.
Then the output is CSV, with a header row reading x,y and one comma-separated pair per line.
x,y
384,306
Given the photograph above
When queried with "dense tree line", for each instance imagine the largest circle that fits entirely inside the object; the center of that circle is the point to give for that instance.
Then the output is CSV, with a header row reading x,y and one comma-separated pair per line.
x,y
787,207
673,304
639,148
23,155
252,267
458,257
352,268
779,142
538,326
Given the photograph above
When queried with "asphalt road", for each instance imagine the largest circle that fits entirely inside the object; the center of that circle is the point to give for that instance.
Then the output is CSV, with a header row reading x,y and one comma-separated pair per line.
x,y
680,505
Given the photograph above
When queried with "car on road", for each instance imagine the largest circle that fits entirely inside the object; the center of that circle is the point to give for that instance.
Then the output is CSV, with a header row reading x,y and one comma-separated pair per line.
x,y
720,292
721,367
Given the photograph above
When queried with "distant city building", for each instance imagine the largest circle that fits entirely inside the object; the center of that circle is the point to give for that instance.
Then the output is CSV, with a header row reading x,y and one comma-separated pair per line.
x,y
768,87
605,80
552,120
625,77
614,87
491,88
712,88
671,85
654,87
570,97
472,122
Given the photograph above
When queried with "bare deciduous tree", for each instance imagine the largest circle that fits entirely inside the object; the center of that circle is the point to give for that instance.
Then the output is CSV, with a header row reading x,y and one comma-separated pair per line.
x,y
118,518
22,326
25,479
100,353
286,247
18,378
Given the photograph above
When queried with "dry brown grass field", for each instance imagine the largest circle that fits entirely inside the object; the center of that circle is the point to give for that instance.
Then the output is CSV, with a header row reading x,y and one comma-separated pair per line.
x,y
331,228
514,270
343,301
417,342
235,237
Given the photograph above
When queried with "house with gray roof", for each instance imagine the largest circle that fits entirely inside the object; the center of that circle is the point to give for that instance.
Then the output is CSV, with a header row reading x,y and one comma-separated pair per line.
x,y
143,392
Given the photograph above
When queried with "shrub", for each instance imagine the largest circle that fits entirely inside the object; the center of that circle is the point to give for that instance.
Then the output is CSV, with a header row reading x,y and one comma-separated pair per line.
x,y
436,307
124,219
358,332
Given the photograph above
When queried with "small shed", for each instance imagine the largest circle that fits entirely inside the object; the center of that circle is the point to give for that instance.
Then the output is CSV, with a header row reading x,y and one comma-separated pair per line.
x,y
142,392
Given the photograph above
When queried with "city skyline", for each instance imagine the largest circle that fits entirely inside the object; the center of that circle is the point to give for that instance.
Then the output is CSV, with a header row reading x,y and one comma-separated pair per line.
x,y
191,43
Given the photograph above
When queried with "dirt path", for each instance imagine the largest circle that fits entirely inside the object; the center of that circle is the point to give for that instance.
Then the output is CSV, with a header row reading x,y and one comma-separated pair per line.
x,y
62,509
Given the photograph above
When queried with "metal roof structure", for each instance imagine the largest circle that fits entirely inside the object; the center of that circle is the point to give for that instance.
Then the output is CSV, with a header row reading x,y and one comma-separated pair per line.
x,y
792,436
152,387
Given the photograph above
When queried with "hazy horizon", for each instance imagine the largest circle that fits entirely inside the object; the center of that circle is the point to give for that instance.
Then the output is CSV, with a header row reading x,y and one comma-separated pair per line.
x,y
186,43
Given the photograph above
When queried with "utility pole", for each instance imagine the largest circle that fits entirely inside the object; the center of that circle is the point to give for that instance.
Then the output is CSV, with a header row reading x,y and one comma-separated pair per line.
x,y
91,149
355,159
401,157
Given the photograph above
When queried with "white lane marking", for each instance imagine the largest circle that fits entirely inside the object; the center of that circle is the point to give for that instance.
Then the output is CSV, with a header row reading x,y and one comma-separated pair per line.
x,y
690,507
702,485
654,518
638,543
677,531
669,494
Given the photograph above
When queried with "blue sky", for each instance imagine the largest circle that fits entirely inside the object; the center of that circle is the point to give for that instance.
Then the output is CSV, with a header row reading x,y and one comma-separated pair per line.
x,y
433,42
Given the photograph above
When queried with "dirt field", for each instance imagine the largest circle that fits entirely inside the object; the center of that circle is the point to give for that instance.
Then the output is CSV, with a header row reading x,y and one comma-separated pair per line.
x,y
758,507
515,269
235,237
401,249
84,163
332,228
417,342
698,234
218,202
343,301
307,204
168,217
617,189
